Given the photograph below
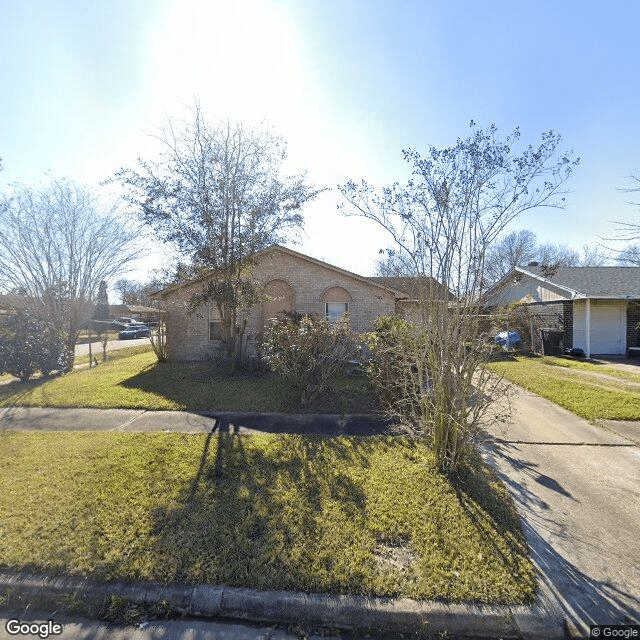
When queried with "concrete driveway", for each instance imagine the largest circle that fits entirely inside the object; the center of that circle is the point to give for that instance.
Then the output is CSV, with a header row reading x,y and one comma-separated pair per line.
x,y
577,488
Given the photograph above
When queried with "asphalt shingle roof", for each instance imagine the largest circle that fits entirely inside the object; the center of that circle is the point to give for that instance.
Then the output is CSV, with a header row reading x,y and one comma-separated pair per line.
x,y
597,282
414,287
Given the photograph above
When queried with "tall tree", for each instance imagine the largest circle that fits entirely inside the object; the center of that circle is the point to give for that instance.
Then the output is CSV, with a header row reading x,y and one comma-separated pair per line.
x,y
516,248
129,290
520,248
457,202
394,264
629,256
102,302
218,195
57,243
631,230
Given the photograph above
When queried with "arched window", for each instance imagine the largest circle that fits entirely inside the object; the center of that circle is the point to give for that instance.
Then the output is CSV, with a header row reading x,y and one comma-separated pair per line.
x,y
278,300
336,303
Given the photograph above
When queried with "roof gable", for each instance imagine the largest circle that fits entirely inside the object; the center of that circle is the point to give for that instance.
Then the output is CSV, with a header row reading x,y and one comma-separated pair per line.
x,y
369,281
594,282
285,250
613,283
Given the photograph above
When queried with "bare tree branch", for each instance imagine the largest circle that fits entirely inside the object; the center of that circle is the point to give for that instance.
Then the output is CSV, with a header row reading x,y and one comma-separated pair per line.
x,y
56,245
217,195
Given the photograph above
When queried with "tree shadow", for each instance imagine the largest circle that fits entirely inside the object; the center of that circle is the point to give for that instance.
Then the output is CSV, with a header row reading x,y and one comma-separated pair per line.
x,y
202,386
14,393
584,600
255,516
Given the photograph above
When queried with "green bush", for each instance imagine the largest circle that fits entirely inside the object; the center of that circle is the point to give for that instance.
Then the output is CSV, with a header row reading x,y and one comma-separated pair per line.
x,y
390,357
29,344
309,353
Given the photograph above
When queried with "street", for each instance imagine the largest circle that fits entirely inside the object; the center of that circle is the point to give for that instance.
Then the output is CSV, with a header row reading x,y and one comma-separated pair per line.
x,y
96,347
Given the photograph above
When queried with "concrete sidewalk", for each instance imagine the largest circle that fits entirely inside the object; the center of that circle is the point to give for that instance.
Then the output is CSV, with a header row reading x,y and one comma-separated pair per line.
x,y
72,419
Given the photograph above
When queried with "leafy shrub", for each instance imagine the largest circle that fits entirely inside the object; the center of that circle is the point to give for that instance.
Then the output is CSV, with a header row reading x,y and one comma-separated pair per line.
x,y
431,379
389,346
29,344
309,353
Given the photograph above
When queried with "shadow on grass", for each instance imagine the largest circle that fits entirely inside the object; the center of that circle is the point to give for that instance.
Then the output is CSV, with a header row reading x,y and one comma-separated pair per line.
x,y
480,496
200,386
255,516
15,392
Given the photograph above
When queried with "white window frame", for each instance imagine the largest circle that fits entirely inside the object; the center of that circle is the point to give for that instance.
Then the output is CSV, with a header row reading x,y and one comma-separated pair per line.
x,y
326,311
214,319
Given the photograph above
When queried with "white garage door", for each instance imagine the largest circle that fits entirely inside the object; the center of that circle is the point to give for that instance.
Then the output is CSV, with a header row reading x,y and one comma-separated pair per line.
x,y
608,326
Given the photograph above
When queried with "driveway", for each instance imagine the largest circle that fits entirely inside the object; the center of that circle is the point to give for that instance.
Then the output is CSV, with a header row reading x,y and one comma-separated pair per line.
x,y
577,488
96,347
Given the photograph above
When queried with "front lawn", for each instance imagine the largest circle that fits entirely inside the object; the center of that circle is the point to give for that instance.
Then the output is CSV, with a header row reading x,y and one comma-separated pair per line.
x,y
588,390
355,515
137,381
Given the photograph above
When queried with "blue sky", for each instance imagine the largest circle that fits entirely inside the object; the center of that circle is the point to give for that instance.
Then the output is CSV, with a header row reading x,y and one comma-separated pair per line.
x,y
349,84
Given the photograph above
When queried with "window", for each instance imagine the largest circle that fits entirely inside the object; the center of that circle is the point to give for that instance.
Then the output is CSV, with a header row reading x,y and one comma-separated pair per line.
x,y
333,311
215,332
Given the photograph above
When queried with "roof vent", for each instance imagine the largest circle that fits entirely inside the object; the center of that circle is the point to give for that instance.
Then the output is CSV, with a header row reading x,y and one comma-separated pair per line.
x,y
533,264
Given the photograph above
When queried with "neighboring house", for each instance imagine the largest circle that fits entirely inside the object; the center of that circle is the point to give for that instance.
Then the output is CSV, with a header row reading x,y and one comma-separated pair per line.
x,y
10,304
288,281
133,311
416,290
598,308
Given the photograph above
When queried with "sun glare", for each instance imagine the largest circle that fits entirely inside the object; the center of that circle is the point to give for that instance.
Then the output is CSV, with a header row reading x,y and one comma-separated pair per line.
x,y
238,58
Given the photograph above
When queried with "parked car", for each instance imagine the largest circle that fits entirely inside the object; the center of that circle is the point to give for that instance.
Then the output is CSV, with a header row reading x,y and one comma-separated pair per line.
x,y
134,331
508,339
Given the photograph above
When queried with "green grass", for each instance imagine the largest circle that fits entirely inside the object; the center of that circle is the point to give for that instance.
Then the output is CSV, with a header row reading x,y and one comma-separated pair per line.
x,y
139,381
591,367
266,511
114,354
562,382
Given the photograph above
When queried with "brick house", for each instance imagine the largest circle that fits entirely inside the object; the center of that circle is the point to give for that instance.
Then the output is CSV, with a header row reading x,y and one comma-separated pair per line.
x,y
288,281
598,308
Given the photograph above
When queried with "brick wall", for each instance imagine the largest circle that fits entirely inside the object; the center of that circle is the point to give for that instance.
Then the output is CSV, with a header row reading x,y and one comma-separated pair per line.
x,y
188,335
633,318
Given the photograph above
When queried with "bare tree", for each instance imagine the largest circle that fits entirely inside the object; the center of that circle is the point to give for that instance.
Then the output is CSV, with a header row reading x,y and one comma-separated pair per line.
x,y
394,264
515,249
57,243
631,230
520,248
629,256
593,256
217,194
129,290
457,203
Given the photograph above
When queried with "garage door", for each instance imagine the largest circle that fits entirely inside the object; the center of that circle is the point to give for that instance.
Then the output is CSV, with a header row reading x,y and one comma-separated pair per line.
x,y
608,326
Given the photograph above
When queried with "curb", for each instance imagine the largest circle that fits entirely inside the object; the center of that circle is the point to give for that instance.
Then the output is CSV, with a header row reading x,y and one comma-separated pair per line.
x,y
541,621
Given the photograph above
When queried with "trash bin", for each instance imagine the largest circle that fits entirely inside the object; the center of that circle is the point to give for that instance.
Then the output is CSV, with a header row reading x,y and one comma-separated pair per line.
x,y
551,339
